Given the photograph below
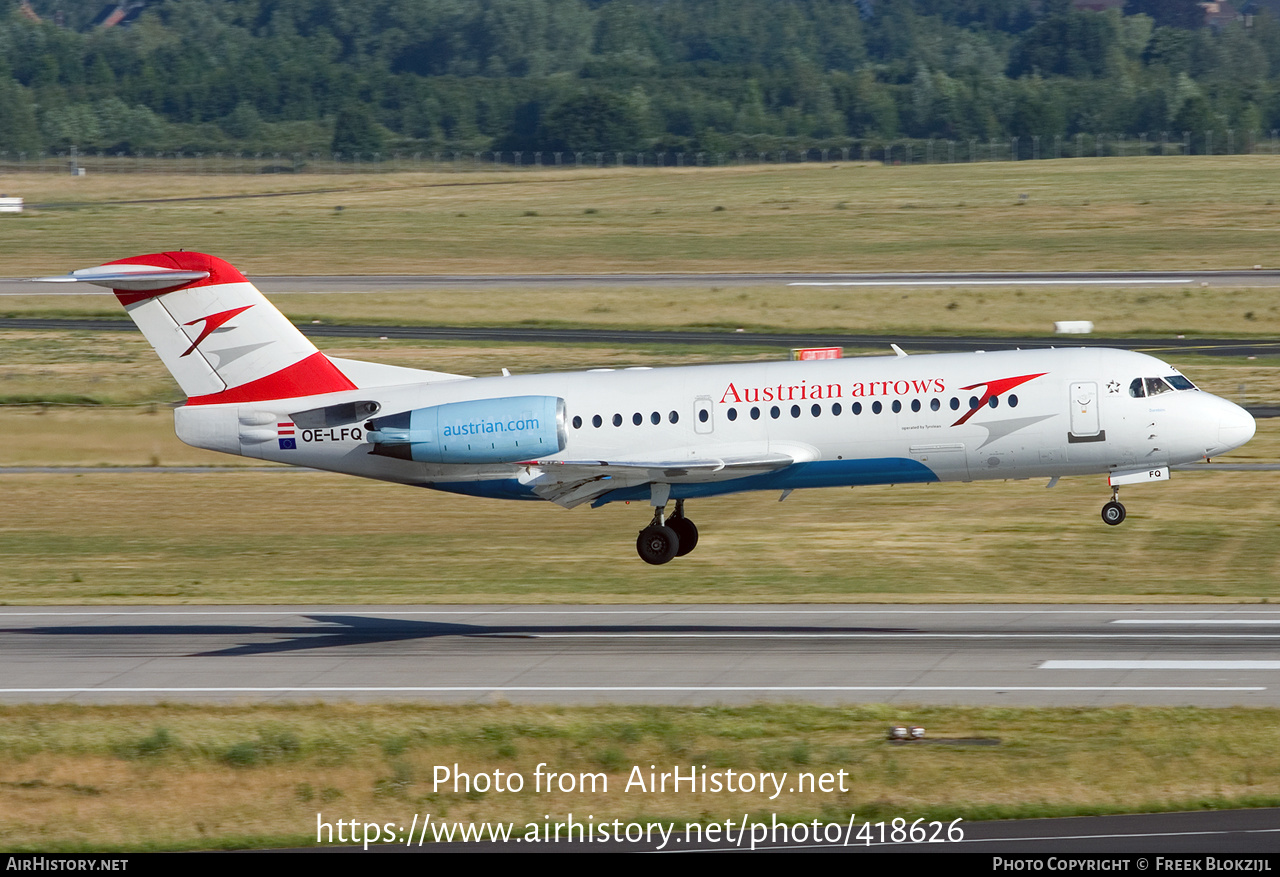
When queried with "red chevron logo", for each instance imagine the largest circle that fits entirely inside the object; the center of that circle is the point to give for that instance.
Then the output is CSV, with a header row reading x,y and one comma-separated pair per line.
x,y
994,388
211,322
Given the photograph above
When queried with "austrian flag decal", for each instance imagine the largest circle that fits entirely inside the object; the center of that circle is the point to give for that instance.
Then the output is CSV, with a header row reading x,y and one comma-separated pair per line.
x,y
285,434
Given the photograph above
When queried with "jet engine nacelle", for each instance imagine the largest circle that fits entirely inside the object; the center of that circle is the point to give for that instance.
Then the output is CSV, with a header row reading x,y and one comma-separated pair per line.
x,y
505,430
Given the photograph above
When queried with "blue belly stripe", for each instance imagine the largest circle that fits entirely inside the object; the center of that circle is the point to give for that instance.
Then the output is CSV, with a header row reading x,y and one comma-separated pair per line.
x,y
495,488
824,473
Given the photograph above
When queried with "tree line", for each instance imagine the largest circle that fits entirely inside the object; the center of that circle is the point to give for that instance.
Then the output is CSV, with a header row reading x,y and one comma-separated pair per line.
x,y
680,76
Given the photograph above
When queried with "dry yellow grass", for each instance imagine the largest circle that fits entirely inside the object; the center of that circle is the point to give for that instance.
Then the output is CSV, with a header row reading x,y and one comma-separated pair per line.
x,y
1084,213
198,776
295,537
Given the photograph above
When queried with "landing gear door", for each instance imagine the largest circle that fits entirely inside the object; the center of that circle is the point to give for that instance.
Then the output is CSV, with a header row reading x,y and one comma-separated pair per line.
x,y
703,420
1084,413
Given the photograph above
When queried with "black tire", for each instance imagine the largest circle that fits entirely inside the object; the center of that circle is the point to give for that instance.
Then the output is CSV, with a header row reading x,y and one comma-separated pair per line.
x,y
657,545
686,532
1113,513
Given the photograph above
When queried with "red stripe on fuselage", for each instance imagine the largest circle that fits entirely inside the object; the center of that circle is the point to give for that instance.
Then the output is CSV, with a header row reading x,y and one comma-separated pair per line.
x,y
308,377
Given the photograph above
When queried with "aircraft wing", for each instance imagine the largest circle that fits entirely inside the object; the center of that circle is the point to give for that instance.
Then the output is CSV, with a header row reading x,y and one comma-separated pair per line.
x,y
570,483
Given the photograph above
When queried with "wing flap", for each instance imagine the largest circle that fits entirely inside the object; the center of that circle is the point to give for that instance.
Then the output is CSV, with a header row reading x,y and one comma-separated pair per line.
x,y
572,482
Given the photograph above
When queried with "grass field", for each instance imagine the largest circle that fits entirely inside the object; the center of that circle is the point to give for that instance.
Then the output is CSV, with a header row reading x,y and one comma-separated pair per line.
x,y
1198,212
107,368
172,776
296,537
110,778
1031,311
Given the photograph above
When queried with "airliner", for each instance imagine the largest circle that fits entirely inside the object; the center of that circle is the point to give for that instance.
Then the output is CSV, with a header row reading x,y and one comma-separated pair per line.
x,y
257,387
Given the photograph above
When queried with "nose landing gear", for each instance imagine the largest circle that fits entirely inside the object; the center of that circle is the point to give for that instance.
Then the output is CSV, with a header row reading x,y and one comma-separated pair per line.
x,y
667,538
1113,512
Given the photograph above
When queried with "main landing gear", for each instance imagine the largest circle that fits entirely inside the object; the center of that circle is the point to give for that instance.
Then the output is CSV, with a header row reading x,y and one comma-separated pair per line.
x,y
1113,512
667,538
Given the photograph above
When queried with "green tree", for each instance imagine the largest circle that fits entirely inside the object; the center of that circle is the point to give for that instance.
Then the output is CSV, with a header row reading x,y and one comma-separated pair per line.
x,y
356,133
1168,13
1078,45
18,129
595,121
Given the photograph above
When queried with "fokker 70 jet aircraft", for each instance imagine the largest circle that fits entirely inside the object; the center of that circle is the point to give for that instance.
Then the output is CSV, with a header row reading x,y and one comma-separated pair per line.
x,y
258,388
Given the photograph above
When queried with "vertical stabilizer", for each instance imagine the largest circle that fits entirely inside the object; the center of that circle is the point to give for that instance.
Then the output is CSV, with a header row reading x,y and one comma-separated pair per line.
x,y
217,334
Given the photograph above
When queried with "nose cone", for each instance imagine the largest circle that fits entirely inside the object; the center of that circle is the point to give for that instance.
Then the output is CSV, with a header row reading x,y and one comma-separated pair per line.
x,y
1235,427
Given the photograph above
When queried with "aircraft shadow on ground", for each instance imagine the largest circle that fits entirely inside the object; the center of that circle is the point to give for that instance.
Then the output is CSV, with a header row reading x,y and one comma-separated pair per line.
x,y
365,630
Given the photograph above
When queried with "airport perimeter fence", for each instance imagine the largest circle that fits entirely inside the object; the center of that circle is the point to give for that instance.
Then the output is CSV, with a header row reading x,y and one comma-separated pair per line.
x,y
890,152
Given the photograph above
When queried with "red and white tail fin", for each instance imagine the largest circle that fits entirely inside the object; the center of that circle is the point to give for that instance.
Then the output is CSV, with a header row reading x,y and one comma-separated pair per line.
x,y
217,334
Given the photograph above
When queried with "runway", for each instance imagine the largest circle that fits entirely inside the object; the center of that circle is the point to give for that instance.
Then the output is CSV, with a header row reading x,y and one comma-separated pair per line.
x,y
374,283
1215,655
911,343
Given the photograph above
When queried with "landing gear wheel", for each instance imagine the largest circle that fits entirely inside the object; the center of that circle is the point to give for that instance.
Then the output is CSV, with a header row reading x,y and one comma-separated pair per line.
x,y
657,544
1113,513
686,532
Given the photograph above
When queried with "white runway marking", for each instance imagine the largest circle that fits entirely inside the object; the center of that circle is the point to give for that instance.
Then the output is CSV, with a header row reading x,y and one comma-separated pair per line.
x,y
1160,665
500,688
1197,621
835,634
661,610
944,282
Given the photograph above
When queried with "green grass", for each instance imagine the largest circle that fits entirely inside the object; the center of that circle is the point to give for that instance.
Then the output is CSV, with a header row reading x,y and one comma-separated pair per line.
x,y
295,538
1197,212
108,368
76,778
139,538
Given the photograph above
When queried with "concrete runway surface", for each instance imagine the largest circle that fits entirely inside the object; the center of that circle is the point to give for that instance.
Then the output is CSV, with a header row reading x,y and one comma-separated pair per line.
x,y
1213,655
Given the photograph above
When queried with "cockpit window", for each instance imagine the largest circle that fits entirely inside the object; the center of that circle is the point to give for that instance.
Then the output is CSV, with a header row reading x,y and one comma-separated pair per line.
x,y
1143,387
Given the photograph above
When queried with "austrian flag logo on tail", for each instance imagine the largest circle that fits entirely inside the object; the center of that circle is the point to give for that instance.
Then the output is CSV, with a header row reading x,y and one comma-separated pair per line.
x,y
286,435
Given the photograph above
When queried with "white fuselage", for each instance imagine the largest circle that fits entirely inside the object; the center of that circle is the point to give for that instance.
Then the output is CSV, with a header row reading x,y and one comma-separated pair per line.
x,y
946,417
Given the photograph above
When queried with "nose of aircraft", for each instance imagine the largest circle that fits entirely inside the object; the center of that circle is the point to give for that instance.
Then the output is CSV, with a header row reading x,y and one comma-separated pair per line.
x,y
1235,427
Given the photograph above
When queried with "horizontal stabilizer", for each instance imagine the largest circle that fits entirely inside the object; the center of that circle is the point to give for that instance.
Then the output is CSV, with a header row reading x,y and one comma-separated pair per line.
x,y
135,278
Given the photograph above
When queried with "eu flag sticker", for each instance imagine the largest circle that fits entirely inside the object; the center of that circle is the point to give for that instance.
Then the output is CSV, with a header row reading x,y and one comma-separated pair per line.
x,y
288,444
